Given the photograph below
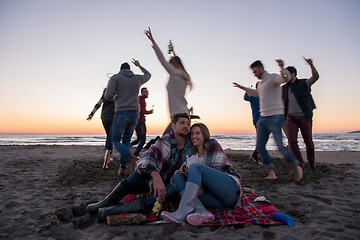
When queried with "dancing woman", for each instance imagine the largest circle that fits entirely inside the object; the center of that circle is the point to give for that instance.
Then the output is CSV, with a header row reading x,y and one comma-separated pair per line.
x,y
179,80
107,116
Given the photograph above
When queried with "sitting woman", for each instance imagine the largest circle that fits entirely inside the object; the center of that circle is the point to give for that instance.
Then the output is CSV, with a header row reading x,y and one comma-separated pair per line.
x,y
206,179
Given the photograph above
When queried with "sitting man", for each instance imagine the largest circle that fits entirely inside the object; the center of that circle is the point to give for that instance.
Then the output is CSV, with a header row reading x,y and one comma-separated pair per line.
x,y
154,171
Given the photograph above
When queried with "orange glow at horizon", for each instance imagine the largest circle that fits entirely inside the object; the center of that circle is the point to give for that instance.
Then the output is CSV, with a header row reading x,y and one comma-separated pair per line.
x,y
17,124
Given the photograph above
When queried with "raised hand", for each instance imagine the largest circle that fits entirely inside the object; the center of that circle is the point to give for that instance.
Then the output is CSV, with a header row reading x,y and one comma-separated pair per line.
x,y
136,62
238,85
149,35
280,62
308,60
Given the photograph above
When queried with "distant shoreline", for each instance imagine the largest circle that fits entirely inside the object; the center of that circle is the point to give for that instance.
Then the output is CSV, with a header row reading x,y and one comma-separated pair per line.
x,y
323,142
354,132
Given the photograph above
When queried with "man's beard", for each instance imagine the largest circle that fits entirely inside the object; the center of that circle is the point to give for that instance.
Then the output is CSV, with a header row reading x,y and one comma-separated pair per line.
x,y
183,134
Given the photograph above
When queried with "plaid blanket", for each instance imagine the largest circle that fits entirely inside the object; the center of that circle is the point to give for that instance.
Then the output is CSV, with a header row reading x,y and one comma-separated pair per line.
x,y
254,213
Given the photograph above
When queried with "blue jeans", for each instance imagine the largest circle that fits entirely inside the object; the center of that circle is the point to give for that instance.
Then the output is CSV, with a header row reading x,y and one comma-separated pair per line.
x,y
141,137
265,126
220,190
255,152
139,183
122,129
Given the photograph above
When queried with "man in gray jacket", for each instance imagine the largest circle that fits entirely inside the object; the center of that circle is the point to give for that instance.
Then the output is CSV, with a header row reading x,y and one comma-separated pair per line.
x,y
124,88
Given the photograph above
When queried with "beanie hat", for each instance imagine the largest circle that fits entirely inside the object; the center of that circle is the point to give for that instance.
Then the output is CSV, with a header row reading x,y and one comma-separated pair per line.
x,y
125,66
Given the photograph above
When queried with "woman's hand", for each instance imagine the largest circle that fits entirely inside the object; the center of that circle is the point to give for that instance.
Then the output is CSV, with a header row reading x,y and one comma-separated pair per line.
x,y
184,169
308,60
172,49
149,35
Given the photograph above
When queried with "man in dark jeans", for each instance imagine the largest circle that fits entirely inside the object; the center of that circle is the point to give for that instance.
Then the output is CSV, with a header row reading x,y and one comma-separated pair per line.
x,y
299,106
124,89
141,126
153,172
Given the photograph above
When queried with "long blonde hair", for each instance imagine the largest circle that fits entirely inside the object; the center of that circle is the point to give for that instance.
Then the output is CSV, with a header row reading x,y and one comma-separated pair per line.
x,y
176,61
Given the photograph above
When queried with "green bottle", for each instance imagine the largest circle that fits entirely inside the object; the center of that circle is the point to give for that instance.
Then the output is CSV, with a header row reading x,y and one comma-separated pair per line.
x,y
170,46
157,207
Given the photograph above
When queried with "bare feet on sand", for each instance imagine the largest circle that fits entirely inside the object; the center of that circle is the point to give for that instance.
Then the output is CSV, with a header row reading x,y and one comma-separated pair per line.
x,y
271,175
131,164
298,173
121,171
107,159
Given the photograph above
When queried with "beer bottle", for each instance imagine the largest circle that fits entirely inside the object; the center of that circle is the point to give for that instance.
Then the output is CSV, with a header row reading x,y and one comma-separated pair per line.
x,y
157,206
170,46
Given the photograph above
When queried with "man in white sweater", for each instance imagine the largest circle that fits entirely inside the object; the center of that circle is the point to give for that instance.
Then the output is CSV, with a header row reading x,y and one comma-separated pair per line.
x,y
271,115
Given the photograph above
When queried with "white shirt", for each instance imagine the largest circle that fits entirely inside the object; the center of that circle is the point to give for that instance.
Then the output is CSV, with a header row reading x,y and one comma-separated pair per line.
x,y
194,159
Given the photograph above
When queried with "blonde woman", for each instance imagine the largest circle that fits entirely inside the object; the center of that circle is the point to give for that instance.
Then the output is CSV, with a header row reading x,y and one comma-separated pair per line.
x,y
179,80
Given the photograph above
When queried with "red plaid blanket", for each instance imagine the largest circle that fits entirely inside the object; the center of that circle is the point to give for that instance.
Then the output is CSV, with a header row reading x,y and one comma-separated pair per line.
x,y
255,213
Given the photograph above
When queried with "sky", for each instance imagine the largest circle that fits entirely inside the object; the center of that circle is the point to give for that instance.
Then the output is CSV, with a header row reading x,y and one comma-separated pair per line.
x,y
55,57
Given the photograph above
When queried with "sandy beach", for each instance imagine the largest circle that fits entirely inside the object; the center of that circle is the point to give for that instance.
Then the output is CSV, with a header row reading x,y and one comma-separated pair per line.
x,y
45,189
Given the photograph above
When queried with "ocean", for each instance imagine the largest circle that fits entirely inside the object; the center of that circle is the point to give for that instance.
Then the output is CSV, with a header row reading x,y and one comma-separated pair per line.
x,y
323,142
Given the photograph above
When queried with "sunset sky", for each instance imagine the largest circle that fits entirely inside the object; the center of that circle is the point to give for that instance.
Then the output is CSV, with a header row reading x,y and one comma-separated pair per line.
x,y
55,57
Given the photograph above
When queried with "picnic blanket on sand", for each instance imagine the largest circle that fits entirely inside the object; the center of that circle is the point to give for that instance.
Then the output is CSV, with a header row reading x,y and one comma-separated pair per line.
x,y
254,213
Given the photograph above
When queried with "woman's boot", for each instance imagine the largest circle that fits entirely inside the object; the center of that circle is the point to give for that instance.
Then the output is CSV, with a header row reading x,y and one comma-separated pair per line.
x,y
113,198
133,207
186,206
200,215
